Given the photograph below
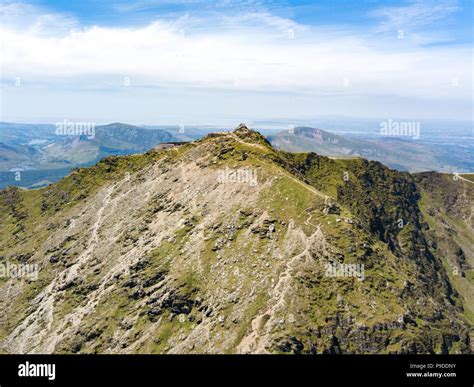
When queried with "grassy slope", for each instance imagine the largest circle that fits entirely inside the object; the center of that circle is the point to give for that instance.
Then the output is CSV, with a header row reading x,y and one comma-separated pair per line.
x,y
447,206
326,310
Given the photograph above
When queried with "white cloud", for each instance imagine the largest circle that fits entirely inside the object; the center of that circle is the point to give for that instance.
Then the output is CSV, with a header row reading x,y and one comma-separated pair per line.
x,y
251,52
28,19
417,14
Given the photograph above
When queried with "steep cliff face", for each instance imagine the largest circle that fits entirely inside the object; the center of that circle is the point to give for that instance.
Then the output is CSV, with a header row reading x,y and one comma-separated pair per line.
x,y
447,205
226,245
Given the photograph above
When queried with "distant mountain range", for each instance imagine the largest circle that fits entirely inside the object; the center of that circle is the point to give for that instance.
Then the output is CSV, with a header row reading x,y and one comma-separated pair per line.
x,y
41,156
33,155
124,137
396,152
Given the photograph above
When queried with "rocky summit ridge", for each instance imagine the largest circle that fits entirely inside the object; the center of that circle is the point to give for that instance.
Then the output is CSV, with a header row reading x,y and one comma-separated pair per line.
x,y
227,245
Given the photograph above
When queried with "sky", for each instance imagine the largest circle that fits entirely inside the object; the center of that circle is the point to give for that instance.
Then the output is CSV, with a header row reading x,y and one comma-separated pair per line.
x,y
228,61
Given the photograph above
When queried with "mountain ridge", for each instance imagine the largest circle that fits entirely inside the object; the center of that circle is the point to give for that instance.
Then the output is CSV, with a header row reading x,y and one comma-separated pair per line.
x,y
163,252
396,152
48,156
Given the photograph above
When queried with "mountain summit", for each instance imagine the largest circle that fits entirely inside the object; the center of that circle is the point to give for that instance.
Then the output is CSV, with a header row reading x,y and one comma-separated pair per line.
x,y
242,128
227,245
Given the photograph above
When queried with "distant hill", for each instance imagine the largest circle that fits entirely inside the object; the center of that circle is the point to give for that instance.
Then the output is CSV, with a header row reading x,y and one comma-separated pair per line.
x,y
129,137
398,153
17,157
306,139
42,156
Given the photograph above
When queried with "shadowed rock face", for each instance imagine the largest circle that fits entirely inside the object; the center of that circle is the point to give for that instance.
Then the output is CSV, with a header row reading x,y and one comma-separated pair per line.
x,y
226,245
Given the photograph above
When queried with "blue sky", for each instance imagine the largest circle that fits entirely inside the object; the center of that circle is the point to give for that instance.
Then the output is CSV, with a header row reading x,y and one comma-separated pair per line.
x,y
197,61
324,12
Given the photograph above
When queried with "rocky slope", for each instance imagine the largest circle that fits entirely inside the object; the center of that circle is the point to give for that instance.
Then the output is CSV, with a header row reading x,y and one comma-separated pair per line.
x,y
226,245
447,204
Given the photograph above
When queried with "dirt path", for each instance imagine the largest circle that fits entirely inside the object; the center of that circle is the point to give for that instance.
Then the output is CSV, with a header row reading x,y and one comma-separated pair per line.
x,y
463,178
261,326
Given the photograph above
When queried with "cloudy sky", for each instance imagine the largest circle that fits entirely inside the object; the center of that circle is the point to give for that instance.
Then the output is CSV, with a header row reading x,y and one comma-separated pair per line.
x,y
202,62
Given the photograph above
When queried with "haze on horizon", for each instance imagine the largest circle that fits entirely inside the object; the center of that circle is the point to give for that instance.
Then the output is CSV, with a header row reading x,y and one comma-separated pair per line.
x,y
203,62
